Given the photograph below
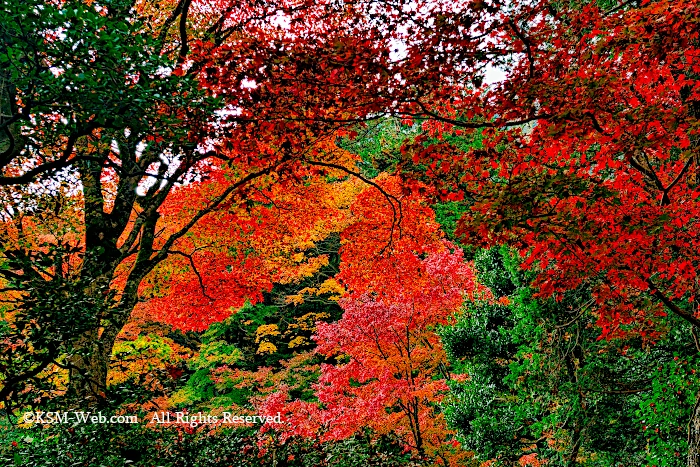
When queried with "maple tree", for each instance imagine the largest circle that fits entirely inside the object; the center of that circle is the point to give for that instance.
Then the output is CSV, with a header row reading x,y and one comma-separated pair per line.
x,y
124,106
584,155
394,359
236,255
587,157
391,370
125,101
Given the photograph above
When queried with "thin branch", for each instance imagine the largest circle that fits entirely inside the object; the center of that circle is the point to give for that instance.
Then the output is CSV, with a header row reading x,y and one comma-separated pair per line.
x,y
184,46
689,317
680,175
170,20
396,219
583,309
30,175
194,268
214,204
474,125
528,47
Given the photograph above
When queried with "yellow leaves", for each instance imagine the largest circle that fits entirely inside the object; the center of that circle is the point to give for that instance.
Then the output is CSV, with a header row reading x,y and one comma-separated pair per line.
x,y
298,341
296,299
267,347
303,327
306,323
330,287
299,270
265,331
262,336
346,193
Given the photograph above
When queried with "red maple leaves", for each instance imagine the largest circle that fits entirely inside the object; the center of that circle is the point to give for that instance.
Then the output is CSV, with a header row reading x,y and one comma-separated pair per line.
x,y
391,368
601,189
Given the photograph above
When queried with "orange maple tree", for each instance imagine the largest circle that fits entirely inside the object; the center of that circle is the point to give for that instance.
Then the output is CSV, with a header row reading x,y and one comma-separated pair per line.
x,y
392,370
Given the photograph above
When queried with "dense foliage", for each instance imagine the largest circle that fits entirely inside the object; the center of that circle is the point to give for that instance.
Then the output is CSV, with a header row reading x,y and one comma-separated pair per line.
x,y
540,384
332,214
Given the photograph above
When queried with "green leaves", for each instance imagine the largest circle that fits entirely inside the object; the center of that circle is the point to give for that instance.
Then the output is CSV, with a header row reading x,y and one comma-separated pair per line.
x,y
535,370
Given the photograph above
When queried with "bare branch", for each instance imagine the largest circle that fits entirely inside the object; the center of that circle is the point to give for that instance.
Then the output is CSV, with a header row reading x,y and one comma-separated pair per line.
x,y
196,271
689,317
397,218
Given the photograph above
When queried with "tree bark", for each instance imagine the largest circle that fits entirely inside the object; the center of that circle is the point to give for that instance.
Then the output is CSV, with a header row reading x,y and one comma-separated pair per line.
x,y
89,364
91,354
576,439
694,436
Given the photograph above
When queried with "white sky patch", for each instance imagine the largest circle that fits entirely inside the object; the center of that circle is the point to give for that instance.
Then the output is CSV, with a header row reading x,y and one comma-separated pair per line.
x,y
280,20
152,176
24,198
147,182
398,50
493,75
173,163
248,83
164,71
208,145
140,147
228,111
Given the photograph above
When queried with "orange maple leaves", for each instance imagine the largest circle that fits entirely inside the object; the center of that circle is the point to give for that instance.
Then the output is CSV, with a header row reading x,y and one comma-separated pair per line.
x,y
237,252
391,368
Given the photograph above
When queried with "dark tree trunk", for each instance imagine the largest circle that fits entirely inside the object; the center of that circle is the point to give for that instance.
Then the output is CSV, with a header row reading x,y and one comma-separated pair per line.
x,y
89,364
91,354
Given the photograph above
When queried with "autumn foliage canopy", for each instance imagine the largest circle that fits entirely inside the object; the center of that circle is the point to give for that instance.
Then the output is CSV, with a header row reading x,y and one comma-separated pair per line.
x,y
253,191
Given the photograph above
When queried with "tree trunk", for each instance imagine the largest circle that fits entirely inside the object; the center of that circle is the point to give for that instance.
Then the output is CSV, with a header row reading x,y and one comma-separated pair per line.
x,y
92,352
88,371
694,436
576,439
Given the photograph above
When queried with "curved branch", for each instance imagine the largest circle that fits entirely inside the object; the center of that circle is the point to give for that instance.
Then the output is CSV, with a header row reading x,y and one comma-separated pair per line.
x,y
396,219
474,125
528,47
163,252
194,268
689,317
184,46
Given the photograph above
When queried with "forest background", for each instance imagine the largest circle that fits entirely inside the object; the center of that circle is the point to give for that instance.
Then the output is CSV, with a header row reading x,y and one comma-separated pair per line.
x,y
323,210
